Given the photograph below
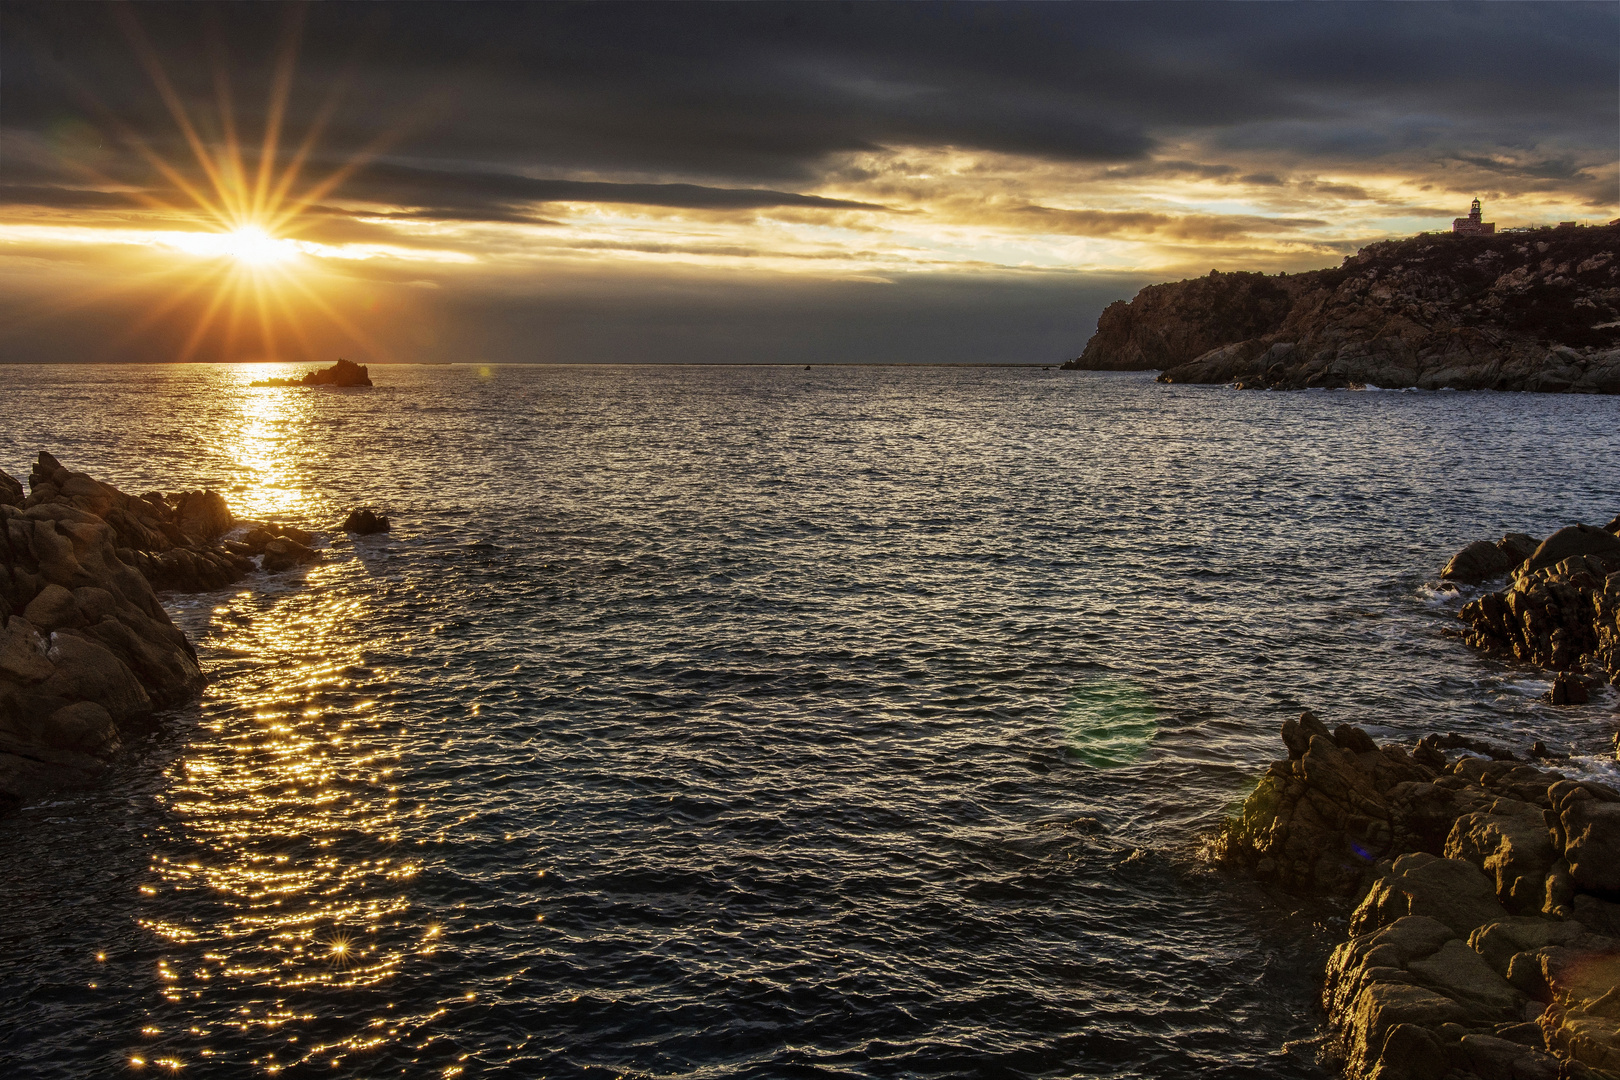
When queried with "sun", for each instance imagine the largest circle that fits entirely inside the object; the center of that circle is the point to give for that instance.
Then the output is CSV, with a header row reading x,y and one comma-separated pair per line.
x,y
241,197
252,245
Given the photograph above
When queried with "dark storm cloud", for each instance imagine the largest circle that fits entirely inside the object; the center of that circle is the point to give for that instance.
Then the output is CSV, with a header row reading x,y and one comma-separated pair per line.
x,y
758,95
467,195
61,198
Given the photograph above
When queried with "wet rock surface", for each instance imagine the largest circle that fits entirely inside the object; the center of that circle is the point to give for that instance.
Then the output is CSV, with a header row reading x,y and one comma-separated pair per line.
x,y
1485,937
1534,312
366,521
1560,611
87,653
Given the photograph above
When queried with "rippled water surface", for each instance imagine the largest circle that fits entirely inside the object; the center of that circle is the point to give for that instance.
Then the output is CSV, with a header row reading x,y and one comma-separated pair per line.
x,y
754,722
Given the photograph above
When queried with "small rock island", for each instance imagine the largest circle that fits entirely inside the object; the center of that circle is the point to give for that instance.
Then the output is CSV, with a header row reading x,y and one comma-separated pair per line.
x,y
1535,310
342,373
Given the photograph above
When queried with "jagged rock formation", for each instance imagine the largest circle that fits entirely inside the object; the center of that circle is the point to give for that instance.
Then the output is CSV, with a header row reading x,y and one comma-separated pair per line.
x,y
342,373
1528,311
86,650
1486,938
1561,610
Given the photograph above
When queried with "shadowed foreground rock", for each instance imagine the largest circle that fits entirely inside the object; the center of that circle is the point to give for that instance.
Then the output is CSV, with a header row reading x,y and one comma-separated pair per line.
x,y
86,651
1485,941
366,522
1561,610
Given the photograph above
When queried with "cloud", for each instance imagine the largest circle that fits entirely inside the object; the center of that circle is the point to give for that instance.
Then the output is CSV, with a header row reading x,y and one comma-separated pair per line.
x,y
819,143
1170,226
768,92
465,195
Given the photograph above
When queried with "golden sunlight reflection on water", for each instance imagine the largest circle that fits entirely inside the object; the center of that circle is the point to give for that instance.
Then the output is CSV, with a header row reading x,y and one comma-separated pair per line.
x,y
280,888
273,438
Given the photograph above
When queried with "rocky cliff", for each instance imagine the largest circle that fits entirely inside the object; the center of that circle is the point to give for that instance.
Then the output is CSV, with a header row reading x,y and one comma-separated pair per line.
x,y
86,650
1517,311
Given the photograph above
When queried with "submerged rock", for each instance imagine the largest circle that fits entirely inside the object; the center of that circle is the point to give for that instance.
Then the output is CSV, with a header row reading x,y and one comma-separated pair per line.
x,y
342,373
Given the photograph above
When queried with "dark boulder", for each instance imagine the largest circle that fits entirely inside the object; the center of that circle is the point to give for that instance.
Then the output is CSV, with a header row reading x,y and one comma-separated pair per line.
x,y
1477,562
1575,540
11,490
284,554
365,522
1483,560
86,649
1483,938
1568,689
204,515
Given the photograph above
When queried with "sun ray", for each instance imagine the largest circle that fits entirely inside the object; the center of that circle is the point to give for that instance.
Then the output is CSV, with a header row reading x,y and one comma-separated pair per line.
x,y
225,104
94,104
242,290
161,310
202,326
362,158
47,312
280,91
295,166
267,336
177,109
295,326
241,286
360,336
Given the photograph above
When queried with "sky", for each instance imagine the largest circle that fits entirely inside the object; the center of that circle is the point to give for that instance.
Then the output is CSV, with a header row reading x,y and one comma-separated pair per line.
x,y
780,183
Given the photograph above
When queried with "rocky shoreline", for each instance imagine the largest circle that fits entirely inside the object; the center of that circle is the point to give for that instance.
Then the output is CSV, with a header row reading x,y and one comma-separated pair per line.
x,y
87,652
1533,311
1484,941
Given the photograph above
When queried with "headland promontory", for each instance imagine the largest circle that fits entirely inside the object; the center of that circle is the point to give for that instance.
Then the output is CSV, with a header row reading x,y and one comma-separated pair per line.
x,y
1536,310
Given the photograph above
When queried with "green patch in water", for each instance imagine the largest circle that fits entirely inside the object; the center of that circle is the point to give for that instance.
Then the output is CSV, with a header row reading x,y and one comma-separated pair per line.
x,y
1109,723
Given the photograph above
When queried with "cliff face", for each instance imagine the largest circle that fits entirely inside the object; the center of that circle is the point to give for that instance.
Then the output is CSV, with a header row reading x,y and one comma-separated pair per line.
x,y
1170,324
1517,311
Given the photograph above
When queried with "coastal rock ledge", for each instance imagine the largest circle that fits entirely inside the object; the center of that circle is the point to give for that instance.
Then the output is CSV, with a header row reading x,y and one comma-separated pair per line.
x,y
87,653
1537,311
1560,610
1485,937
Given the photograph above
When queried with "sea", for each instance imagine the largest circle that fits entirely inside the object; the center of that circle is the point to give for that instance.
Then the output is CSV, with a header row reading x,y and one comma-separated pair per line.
x,y
764,722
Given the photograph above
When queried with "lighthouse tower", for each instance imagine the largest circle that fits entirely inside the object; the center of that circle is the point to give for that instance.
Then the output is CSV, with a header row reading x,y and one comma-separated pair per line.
x,y
1472,225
